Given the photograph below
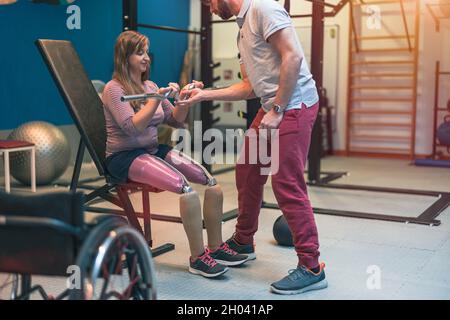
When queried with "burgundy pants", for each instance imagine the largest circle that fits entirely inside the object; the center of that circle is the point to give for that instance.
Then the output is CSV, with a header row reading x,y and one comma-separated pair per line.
x,y
288,185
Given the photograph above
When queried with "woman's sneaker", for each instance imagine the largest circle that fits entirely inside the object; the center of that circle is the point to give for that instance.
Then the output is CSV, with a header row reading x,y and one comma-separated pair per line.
x,y
247,249
227,256
206,266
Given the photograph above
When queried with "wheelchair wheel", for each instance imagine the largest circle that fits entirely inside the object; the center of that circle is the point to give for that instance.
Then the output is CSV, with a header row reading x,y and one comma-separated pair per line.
x,y
115,263
13,286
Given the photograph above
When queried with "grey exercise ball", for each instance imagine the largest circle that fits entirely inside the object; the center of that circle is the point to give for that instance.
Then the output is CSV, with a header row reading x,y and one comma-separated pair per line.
x,y
52,152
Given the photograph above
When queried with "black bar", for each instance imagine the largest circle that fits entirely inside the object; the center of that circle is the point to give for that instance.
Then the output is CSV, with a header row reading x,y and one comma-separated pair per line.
x,y
380,189
166,28
25,286
159,217
129,14
206,73
215,65
216,106
374,216
163,249
436,208
364,215
99,192
428,217
253,106
267,205
223,21
223,170
232,214
77,167
331,177
301,16
317,44
87,187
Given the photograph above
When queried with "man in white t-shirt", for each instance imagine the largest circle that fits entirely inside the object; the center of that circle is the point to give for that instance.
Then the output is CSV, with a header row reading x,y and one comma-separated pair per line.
x,y
274,69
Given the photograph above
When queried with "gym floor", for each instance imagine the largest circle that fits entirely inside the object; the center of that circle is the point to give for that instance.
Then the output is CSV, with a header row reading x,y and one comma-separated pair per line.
x,y
413,260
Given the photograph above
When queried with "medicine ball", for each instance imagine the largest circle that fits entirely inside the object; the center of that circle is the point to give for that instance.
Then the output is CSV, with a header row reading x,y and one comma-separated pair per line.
x,y
282,233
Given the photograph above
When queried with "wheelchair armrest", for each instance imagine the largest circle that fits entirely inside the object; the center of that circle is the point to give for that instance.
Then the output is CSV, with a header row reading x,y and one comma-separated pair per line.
x,y
27,221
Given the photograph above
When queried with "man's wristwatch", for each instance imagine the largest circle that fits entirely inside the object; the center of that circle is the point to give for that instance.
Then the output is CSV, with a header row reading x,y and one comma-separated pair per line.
x,y
277,108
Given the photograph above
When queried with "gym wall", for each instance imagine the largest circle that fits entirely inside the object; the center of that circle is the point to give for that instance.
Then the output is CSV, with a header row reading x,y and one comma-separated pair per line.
x,y
28,93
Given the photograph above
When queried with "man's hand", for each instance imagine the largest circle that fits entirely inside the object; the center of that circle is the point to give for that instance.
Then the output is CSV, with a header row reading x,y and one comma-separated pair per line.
x,y
189,97
271,120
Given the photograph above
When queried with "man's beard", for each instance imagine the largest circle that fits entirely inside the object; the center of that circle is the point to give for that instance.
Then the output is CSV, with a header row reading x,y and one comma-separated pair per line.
x,y
224,10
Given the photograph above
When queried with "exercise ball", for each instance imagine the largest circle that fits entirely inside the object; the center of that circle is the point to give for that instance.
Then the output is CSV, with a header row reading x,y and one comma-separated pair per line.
x,y
52,152
443,133
282,233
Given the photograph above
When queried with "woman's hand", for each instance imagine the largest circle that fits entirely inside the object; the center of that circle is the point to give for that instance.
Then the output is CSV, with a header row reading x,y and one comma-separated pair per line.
x,y
164,91
172,91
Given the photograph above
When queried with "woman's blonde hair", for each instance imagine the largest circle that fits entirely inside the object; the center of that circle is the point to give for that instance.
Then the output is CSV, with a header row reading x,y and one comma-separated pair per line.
x,y
128,43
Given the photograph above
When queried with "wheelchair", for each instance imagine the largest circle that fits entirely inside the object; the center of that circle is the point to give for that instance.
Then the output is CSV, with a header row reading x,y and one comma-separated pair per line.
x,y
45,235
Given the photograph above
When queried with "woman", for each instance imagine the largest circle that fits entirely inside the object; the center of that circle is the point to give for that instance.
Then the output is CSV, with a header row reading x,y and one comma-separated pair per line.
x,y
133,153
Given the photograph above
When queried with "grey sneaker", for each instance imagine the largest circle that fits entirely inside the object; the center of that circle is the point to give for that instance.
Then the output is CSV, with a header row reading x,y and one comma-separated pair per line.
x,y
247,249
206,266
227,256
300,280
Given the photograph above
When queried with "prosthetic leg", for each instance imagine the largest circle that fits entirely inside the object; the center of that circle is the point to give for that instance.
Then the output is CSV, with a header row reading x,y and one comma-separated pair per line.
x,y
171,174
213,201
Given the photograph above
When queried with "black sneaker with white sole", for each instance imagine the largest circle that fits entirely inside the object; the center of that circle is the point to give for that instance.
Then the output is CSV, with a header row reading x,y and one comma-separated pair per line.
x,y
247,249
227,256
206,266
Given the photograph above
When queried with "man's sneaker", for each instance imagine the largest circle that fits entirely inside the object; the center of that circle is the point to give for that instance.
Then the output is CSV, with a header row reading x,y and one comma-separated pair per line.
x,y
206,266
227,256
300,280
247,249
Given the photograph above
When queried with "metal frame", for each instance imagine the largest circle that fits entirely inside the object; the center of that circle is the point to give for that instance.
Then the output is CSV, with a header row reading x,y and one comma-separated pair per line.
x,y
427,217
5,152
413,75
